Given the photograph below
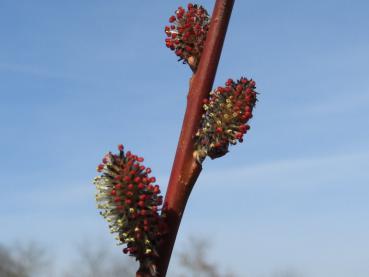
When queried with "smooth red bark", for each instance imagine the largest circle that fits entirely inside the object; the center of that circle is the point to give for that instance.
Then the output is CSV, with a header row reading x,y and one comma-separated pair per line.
x,y
186,169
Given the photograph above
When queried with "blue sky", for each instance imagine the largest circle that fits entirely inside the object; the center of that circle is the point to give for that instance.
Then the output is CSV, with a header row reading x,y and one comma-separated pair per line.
x,y
78,78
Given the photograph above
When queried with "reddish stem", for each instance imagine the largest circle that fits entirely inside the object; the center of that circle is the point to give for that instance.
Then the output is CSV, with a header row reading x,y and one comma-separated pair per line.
x,y
185,167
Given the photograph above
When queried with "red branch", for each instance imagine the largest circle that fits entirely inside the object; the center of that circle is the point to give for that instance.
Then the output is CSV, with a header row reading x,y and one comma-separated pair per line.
x,y
186,169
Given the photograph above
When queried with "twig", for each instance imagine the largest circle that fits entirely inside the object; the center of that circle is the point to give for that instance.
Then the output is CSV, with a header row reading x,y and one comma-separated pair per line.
x,y
186,169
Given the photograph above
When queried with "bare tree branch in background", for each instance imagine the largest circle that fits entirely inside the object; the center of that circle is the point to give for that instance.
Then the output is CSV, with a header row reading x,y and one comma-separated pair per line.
x,y
8,266
97,261
22,260
194,261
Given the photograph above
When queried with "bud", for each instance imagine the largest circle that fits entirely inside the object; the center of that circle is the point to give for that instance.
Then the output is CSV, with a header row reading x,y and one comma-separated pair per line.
x,y
186,36
129,205
225,118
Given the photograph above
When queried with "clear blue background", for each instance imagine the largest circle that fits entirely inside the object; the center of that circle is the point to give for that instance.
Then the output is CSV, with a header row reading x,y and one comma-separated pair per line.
x,y
79,77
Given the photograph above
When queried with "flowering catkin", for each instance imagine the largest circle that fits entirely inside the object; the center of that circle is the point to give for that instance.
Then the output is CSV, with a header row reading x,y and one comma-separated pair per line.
x,y
225,118
129,201
187,33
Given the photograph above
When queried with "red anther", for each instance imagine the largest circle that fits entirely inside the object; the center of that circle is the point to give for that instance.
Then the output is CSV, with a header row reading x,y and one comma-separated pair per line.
x,y
113,192
239,136
252,83
248,115
239,88
247,127
144,180
141,204
141,186
179,52
128,201
148,170
172,19
120,147
117,199
229,82
248,98
242,129
248,91
152,180
140,159
142,197
219,130
128,154
227,89
159,201
130,186
104,160
186,35
174,35
118,186
188,48
167,29
129,193
156,190
126,179
100,167
142,167
190,6
117,177
172,27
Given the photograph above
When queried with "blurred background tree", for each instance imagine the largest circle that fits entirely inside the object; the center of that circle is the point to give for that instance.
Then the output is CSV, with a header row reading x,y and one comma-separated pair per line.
x,y
96,260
